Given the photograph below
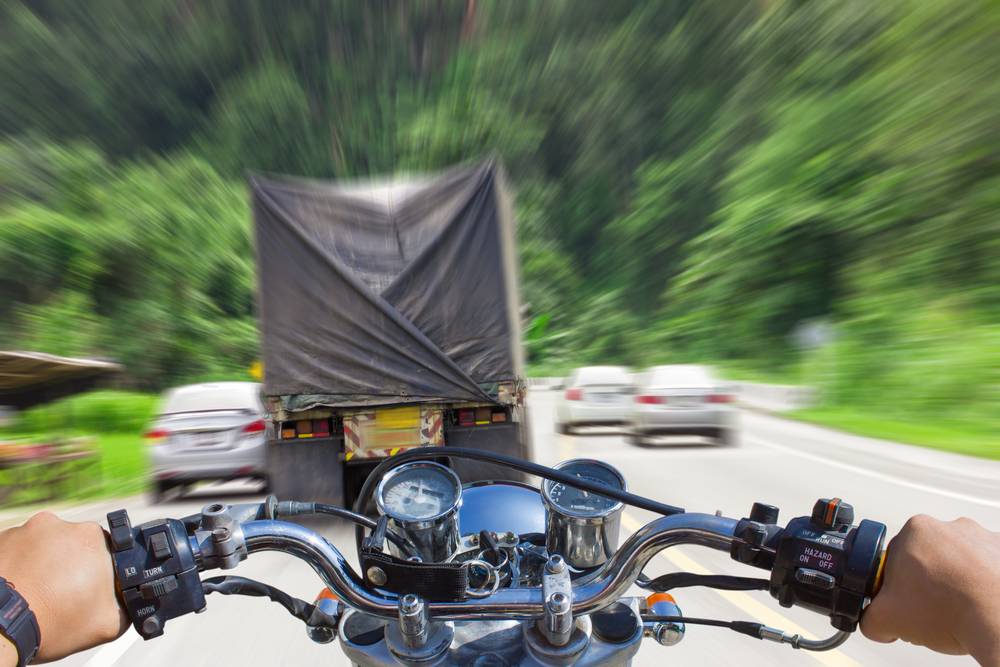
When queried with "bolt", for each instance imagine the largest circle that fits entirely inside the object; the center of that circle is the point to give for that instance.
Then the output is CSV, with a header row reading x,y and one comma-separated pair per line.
x,y
410,603
376,575
558,603
556,564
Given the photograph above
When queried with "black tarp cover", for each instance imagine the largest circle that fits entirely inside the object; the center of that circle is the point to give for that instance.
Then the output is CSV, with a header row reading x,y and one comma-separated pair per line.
x,y
393,292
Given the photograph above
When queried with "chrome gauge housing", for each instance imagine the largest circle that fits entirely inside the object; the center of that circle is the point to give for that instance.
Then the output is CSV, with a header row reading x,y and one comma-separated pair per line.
x,y
583,527
421,501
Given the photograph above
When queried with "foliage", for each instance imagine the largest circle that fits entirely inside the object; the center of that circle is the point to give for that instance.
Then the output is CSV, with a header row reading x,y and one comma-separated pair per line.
x,y
94,412
695,180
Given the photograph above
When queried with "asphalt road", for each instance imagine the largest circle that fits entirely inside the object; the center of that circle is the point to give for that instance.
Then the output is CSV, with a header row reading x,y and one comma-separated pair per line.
x,y
780,462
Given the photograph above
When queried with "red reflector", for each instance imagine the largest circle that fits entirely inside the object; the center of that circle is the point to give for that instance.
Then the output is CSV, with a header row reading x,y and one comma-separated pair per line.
x,y
466,417
256,426
650,400
720,398
321,427
574,394
156,434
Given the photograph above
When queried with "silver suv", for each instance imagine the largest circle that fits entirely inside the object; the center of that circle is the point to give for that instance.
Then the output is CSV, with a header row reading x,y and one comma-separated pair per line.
x,y
210,431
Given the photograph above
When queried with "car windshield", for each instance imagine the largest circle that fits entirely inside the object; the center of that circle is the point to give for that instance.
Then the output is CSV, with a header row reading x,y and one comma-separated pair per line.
x,y
216,396
681,376
601,375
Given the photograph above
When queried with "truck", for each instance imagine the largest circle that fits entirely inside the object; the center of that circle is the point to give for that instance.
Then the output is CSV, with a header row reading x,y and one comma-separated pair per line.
x,y
389,319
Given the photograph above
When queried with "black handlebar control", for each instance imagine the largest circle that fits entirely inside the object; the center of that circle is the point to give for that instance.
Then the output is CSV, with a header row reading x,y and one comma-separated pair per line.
x,y
821,562
155,572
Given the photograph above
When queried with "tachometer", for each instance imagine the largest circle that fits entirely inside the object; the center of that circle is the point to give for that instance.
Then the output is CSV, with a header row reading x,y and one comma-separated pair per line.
x,y
581,525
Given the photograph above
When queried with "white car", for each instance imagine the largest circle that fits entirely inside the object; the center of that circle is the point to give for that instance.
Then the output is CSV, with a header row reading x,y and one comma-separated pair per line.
x,y
594,396
210,431
682,400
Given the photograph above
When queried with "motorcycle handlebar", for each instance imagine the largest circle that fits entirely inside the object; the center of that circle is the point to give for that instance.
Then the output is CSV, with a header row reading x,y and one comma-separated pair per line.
x,y
607,585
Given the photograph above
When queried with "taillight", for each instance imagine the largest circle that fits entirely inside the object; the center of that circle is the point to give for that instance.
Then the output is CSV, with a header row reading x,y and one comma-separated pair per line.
x,y
647,399
155,436
256,426
720,398
574,394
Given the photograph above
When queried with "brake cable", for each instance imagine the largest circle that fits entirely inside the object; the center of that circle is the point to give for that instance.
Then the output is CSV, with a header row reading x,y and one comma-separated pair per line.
x,y
759,631
310,614
724,582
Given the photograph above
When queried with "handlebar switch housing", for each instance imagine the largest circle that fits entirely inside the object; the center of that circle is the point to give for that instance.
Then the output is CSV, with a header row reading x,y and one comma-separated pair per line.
x,y
155,572
827,565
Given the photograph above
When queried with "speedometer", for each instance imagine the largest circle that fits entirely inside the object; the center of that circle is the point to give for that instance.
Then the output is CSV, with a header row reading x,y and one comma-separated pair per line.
x,y
581,525
421,500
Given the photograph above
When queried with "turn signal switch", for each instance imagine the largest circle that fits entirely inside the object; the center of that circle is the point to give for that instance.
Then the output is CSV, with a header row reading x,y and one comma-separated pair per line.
x,y
822,562
155,572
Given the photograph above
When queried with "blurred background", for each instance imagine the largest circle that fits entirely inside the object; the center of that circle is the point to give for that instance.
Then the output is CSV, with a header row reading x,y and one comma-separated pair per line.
x,y
797,193
803,197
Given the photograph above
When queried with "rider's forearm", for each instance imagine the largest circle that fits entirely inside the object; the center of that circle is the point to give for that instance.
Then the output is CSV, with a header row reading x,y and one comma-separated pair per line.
x,y
8,654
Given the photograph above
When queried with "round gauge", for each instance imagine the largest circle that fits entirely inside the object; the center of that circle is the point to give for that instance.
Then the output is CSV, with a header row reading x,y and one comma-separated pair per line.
x,y
418,491
580,525
577,502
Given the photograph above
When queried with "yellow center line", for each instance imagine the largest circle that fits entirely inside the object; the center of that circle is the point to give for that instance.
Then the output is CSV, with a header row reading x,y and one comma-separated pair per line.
x,y
754,609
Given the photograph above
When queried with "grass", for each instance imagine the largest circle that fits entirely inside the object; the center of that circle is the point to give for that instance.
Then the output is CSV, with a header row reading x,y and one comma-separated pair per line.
x,y
113,419
973,439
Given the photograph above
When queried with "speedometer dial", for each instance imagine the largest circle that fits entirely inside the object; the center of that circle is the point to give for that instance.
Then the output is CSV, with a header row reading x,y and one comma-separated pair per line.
x,y
418,492
421,500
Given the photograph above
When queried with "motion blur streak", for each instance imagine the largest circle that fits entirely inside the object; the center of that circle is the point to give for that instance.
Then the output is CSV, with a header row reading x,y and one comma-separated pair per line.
x,y
802,189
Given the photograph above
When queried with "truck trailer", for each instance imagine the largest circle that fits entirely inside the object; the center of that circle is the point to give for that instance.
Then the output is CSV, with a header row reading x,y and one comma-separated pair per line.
x,y
389,319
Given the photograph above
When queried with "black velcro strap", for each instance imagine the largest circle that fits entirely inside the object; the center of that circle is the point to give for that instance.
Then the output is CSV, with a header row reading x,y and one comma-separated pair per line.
x,y
435,582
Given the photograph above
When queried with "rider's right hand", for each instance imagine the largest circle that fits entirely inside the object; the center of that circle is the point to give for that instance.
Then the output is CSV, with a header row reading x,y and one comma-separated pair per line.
x,y
941,590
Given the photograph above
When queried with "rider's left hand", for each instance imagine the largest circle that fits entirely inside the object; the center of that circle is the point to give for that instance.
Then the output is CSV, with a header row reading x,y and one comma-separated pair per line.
x,y
64,571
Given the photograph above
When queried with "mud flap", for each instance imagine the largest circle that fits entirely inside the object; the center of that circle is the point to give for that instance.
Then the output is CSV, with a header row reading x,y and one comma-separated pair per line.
x,y
309,470
498,438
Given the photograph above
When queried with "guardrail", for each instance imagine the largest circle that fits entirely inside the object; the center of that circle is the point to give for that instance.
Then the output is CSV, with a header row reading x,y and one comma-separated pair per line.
x,y
775,397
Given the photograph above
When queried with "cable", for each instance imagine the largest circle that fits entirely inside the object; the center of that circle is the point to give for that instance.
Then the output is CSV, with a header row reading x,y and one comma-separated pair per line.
x,y
723,582
290,508
517,464
300,609
760,631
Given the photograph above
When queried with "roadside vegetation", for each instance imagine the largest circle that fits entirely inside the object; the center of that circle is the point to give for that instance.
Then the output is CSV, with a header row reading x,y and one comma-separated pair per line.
x,y
110,422
695,180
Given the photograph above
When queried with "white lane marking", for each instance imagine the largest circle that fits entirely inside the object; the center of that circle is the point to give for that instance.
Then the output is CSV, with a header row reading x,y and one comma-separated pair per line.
x,y
753,608
877,475
112,653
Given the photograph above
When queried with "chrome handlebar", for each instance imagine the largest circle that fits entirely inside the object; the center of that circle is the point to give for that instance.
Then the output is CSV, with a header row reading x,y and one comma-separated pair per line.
x,y
599,590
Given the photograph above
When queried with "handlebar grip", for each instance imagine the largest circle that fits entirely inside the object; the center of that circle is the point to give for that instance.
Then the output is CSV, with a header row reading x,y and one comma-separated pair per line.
x,y
879,573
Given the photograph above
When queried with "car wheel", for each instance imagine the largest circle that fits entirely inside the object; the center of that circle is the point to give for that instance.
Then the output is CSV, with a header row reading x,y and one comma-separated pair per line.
x,y
728,437
158,491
